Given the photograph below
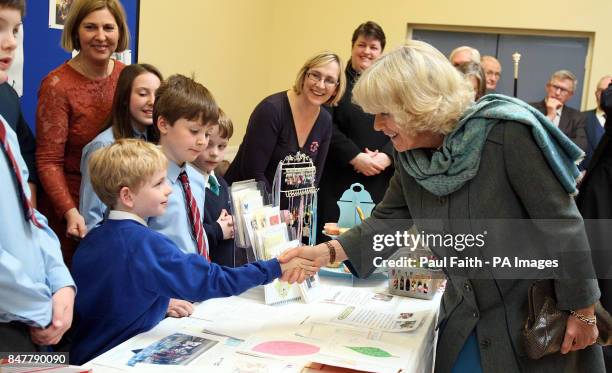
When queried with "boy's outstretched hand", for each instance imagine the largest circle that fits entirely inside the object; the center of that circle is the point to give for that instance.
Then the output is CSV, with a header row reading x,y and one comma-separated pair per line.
x,y
297,269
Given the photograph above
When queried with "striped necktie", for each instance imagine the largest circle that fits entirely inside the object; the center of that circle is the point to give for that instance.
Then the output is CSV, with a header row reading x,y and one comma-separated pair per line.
x,y
28,210
195,218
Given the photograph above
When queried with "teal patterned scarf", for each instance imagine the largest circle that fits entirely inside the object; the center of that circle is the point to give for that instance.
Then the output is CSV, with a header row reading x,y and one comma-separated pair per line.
x,y
457,161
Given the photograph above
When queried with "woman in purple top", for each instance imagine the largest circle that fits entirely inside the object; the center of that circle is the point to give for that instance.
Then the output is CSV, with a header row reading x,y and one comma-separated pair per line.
x,y
291,121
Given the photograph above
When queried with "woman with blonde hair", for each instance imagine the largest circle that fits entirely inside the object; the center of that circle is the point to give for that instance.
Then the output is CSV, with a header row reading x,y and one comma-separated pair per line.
x,y
291,121
74,101
460,167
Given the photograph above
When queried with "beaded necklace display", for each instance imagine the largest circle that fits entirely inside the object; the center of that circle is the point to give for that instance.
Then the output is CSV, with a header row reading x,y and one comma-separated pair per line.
x,y
295,181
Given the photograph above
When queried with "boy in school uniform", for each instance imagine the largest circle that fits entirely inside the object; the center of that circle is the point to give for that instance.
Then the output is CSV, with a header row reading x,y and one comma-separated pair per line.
x,y
184,113
127,272
220,232
36,289
10,109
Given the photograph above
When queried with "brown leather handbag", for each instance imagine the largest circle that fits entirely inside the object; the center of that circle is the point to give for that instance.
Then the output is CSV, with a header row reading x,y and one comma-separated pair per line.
x,y
545,325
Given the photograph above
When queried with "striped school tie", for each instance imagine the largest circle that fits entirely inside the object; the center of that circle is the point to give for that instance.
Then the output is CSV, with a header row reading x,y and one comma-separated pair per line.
x,y
194,216
28,210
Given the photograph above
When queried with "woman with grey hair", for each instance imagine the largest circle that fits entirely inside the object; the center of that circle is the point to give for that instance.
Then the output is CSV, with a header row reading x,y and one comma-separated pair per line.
x,y
459,164
475,75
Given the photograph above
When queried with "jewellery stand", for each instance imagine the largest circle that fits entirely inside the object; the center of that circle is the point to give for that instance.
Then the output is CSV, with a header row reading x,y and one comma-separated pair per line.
x,y
294,189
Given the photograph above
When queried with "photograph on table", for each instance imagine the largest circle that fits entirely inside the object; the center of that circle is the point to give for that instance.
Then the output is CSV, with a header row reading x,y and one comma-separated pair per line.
x,y
175,349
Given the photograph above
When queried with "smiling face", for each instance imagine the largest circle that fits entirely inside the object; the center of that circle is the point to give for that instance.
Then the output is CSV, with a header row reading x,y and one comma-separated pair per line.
x,y
142,97
364,52
321,83
98,36
151,199
403,139
10,20
184,140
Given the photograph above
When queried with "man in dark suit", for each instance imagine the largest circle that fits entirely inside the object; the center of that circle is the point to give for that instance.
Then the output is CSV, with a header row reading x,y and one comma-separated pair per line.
x,y
559,90
595,204
595,120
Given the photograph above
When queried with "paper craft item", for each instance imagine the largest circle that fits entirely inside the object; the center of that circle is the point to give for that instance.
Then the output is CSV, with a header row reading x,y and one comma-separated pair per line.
x,y
260,218
311,289
365,298
328,344
246,196
383,321
271,241
279,292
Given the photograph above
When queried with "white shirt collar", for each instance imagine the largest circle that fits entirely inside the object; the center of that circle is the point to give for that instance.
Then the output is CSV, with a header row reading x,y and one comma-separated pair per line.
x,y
124,215
600,116
204,173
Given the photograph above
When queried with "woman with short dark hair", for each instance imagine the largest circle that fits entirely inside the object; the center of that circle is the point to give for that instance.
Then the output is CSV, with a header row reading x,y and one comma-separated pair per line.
x,y
357,153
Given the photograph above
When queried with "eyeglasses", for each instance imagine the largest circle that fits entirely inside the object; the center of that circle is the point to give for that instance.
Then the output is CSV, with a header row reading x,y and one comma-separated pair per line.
x,y
316,77
555,87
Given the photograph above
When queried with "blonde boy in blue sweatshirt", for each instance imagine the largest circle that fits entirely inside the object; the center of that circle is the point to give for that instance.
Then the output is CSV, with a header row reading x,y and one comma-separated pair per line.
x,y
126,272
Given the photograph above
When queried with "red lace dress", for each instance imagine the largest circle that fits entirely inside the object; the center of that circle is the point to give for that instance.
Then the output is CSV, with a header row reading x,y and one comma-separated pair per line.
x,y
72,110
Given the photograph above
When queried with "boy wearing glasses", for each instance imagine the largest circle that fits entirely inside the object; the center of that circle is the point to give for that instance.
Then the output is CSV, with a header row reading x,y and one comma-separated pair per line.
x,y
559,90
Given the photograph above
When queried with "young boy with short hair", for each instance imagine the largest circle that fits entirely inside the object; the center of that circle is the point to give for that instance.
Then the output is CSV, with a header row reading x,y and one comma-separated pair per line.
x,y
36,289
220,232
184,113
127,272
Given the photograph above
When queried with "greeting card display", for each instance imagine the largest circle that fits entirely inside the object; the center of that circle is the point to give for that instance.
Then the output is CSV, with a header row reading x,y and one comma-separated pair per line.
x,y
247,197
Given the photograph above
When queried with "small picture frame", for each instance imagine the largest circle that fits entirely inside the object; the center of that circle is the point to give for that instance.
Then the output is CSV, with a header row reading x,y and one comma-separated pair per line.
x,y
58,12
